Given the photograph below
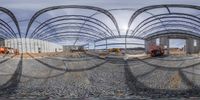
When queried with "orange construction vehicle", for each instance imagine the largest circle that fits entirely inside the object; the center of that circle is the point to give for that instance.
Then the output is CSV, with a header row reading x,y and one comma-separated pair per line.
x,y
3,50
6,50
155,50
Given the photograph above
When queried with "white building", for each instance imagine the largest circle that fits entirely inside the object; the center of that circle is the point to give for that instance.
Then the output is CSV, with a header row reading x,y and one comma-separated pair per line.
x,y
33,45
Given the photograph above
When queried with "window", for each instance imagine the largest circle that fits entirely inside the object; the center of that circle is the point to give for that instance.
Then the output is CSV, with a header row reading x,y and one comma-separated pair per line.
x,y
195,43
158,41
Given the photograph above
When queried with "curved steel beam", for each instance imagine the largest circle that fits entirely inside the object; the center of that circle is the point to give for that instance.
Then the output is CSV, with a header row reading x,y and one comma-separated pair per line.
x,y
68,24
70,35
170,25
64,37
170,31
70,28
24,20
118,44
154,18
100,32
12,16
168,21
70,19
138,12
81,19
6,28
4,24
122,36
70,32
2,37
5,32
146,23
60,39
72,6
129,9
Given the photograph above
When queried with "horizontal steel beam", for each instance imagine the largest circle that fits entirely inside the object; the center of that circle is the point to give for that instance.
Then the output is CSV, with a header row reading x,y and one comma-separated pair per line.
x,y
119,44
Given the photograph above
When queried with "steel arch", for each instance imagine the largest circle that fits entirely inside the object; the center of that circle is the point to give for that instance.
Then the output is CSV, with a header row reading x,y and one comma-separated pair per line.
x,y
138,12
72,6
70,23
162,16
173,25
82,19
12,16
177,21
74,27
173,31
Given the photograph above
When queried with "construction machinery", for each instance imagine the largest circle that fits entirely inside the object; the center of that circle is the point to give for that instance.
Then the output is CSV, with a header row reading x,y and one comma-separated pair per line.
x,y
7,50
77,49
105,53
155,50
116,50
3,50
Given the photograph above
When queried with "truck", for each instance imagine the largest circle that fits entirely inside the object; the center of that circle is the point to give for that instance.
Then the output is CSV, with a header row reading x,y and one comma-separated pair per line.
x,y
156,50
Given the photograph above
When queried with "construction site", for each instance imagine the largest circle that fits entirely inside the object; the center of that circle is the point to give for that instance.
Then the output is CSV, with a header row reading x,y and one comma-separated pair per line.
x,y
86,51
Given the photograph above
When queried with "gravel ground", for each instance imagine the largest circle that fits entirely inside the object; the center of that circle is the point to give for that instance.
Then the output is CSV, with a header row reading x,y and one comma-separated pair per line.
x,y
83,76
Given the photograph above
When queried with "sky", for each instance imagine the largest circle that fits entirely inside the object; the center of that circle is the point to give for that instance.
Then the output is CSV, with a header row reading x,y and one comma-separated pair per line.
x,y
29,7
177,43
24,9
107,4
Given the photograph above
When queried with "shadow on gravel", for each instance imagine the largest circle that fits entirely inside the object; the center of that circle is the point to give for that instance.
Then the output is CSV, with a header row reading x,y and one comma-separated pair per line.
x,y
71,60
3,61
68,70
187,81
139,88
11,85
169,68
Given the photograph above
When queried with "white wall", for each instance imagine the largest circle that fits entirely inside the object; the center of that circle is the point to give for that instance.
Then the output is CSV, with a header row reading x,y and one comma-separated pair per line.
x,y
32,45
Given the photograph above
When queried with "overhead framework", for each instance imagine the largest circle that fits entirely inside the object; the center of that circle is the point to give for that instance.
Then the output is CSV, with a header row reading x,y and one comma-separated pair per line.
x,y
6,30
73,6
169,20
144,23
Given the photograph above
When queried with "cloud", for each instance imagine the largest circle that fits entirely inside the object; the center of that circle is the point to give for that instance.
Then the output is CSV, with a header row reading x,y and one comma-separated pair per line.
x,y
24,9
38,4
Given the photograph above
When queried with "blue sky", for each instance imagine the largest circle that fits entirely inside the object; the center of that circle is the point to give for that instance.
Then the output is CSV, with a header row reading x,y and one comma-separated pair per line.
x,y
174,43
24,9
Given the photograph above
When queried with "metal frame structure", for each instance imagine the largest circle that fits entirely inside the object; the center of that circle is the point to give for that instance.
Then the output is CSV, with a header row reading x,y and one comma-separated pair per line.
x,y
73,6
88,28
6,30
160,17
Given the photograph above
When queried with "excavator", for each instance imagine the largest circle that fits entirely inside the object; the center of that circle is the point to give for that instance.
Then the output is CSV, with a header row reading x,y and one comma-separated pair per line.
x,y
6,50
155,50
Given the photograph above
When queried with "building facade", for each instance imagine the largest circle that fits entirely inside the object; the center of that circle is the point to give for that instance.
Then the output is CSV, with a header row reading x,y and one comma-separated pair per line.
x,y
26,45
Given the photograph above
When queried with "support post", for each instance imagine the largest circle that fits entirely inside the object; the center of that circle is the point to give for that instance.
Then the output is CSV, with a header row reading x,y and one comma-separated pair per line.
x,y
94,46
125,44
106,44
